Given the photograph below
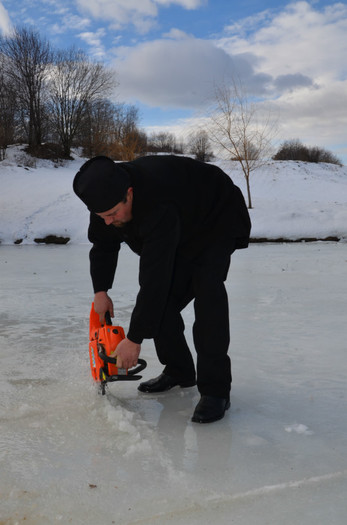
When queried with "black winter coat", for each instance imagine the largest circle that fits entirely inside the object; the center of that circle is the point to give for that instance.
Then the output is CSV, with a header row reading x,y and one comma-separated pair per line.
x,y
180,208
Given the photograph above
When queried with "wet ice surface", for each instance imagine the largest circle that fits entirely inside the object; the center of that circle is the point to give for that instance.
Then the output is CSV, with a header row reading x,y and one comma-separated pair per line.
x,y
69,455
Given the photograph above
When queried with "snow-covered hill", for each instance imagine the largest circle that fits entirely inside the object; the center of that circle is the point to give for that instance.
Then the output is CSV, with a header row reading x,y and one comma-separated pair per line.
x,y
291,200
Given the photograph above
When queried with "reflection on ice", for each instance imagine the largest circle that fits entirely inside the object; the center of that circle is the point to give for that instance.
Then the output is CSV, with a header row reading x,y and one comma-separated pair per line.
x,y
69,455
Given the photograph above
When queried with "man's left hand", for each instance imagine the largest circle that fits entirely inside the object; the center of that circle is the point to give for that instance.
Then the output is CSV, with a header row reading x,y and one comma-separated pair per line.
x,y
127,353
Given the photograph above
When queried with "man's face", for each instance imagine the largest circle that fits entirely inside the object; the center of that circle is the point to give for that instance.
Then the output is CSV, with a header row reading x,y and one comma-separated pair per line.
x,y
120,214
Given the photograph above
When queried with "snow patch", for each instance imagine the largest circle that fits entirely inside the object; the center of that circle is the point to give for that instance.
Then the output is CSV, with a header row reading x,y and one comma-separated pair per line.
x,y
126,431
299,428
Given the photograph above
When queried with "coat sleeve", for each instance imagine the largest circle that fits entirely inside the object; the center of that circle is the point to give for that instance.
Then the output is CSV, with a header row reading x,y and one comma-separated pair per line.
x,y
103,255
160,239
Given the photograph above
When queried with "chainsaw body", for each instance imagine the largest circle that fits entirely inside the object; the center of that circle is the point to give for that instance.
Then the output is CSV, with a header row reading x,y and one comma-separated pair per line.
x,y
103,340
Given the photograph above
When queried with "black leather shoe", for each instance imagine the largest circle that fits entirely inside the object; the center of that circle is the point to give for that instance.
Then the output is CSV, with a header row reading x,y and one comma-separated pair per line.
x,y
210,409
163,383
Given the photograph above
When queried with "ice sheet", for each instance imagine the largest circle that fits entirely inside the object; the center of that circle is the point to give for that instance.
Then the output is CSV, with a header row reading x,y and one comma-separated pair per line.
x,y
69,455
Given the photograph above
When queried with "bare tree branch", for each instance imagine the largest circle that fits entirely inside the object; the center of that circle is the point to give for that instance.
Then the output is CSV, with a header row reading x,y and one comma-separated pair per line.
x,y
238,127
75,82
28,58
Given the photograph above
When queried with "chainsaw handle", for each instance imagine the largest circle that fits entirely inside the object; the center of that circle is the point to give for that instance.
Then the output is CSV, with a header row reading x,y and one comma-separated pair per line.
x,y
141,363
108,320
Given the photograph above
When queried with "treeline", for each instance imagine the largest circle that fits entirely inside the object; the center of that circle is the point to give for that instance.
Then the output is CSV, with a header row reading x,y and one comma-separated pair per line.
x,y
54,100
46,95
294,149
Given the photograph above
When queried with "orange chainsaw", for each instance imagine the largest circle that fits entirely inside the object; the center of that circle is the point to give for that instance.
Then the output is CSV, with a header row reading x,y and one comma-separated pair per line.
x,y
103,340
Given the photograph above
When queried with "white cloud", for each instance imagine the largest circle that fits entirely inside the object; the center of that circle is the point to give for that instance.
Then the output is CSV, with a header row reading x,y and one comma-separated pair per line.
x,y
294,58
181,72
93,40
300,39
176,34
307,46
141,14
186,4
122,12
69,22
170,73
297,49
5,22
317,117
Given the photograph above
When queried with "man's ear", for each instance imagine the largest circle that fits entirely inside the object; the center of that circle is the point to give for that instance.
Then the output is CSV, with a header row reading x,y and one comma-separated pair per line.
x,y
130,193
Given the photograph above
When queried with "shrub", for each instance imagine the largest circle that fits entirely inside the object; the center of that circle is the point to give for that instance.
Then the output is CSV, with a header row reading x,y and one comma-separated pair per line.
x,y
295,150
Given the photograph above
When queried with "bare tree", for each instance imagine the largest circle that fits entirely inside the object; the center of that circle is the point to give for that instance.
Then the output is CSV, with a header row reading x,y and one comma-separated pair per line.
x,y
28,58
199,145
128,140
7,110
112,130
163,141
125,121
75,82
130,146
96,132
294,149
237,126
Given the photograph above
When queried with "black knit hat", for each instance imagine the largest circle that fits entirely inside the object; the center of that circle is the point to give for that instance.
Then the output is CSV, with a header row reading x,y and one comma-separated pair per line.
x,y
101,184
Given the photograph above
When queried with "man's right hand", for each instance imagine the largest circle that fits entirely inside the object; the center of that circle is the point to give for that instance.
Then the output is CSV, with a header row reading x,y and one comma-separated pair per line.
x,y
102,304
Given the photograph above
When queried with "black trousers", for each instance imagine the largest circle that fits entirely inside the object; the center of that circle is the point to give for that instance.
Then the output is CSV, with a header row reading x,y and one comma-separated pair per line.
x,y
201,280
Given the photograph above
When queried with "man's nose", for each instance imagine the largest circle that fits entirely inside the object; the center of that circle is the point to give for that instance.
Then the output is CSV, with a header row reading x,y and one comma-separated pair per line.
x,y
108,220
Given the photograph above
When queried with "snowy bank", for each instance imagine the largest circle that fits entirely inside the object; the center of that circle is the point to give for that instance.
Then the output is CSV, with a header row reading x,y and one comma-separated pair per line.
x,y
292,200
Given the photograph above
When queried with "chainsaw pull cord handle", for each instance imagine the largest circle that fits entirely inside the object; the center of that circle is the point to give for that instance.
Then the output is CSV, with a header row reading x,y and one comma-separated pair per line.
x,y
141,363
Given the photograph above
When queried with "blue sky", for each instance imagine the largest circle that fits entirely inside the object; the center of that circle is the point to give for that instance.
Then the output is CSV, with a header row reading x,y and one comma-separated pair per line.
x,y
169,54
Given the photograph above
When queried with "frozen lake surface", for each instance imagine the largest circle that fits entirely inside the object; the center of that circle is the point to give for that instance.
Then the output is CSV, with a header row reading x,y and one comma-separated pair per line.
x,y
69,455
